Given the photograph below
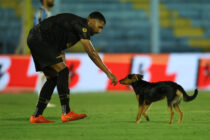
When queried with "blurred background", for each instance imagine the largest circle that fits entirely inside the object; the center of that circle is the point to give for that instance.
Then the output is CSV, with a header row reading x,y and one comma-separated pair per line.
x,y
157,26
161,39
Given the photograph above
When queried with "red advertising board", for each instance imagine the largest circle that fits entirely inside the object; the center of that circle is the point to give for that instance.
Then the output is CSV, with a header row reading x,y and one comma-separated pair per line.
x,y
204,74
17,73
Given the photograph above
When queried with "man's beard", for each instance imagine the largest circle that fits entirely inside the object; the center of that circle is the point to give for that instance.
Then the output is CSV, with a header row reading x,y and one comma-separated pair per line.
x,y
91,33
50,4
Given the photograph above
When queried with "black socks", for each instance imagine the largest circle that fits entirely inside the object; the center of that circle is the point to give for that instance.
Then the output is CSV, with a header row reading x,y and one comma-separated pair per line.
x,y
45,95
62,82
63,89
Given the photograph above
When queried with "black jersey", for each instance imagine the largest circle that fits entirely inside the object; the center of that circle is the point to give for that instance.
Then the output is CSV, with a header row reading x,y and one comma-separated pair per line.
x,y
64,29
47,40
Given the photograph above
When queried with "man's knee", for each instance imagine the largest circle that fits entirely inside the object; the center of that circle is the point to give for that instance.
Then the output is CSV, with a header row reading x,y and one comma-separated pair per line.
x,y
50,73
59,66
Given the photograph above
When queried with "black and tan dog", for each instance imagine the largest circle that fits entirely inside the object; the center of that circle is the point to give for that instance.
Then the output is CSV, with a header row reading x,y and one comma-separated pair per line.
x,y
146,93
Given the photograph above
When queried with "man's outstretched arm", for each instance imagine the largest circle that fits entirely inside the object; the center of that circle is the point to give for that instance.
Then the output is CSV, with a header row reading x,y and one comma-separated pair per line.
x,y
92,53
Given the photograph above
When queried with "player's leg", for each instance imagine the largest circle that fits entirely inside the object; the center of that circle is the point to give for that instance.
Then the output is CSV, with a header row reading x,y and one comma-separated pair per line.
x,y
64,92
38,49
45,95
62,85
46,91
40,83
44,78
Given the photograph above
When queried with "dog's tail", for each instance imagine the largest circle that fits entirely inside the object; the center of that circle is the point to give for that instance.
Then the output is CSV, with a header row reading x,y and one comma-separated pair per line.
x,y
187,97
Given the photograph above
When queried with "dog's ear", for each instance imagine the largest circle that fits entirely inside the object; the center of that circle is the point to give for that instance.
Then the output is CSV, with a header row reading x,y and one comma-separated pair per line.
x,y
130,76
136,77
140,76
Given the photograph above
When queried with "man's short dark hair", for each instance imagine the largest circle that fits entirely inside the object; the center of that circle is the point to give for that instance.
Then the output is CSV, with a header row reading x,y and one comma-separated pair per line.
x,y
41,1
97,15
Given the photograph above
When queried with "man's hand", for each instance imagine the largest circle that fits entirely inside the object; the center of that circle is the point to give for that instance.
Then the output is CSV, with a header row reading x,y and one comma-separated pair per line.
x,y
113,78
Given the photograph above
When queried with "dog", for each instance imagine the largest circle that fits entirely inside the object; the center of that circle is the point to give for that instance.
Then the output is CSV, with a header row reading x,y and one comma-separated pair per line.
x,y
147,92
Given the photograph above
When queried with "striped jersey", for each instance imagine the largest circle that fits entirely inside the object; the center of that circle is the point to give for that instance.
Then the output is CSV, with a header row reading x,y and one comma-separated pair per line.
x,y
40,15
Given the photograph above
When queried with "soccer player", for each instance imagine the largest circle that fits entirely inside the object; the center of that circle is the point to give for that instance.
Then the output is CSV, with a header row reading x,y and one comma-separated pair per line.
x,y
42,13
46,41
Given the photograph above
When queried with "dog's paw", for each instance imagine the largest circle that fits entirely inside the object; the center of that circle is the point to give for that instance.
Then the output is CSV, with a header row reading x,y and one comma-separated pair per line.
x,y
137,121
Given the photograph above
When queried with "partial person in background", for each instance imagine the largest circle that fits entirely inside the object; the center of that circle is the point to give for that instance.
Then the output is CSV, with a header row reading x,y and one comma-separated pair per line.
x,y
44,11
41,14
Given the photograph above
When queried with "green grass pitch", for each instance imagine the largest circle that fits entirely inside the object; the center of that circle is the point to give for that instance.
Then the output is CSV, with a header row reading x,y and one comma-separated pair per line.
x,y
111,116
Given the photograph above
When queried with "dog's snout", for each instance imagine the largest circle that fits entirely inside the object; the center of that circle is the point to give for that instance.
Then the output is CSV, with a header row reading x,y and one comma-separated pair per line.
x,y
120,81
124,81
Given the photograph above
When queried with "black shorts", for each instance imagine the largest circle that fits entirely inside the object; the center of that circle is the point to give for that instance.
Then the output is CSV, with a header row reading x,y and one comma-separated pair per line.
x,y
44,52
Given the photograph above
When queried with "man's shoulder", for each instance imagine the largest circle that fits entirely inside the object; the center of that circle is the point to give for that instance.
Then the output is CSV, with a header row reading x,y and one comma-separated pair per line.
x,y
72,17
68,15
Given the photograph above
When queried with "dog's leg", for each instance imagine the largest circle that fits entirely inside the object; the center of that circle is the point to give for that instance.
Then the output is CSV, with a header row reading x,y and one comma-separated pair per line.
x,y
144,112
180,112
172,114
137,97
140,110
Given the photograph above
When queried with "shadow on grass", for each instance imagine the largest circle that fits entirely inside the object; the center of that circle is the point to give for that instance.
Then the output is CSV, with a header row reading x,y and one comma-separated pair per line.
x,y
142,122
25,119
19,119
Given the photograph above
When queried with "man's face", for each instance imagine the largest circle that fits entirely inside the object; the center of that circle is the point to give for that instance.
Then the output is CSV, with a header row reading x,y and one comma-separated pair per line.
x,y
96,26
50,3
